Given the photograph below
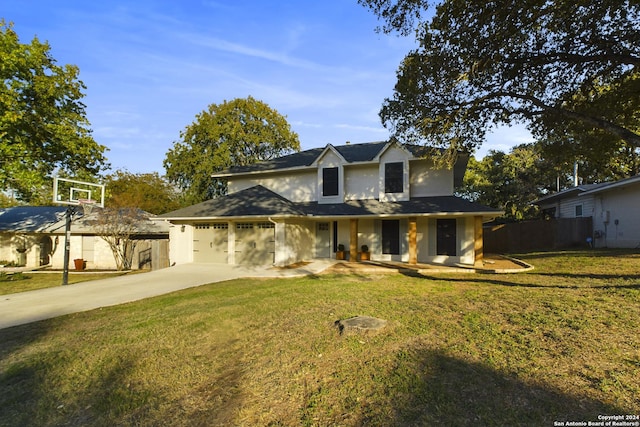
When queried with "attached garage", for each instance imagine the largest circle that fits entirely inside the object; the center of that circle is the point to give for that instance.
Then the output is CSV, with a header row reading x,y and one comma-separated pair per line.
x,y
255,243
210,242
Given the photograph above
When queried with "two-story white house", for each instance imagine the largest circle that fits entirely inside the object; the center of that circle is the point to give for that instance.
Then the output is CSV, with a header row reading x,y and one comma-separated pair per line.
x,y
308,205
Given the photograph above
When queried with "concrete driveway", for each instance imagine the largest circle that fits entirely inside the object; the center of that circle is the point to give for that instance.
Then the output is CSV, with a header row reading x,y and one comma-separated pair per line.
x,y
27,307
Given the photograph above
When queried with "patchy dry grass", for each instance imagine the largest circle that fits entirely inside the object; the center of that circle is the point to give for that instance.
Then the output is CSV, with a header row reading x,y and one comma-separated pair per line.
x,y
559,343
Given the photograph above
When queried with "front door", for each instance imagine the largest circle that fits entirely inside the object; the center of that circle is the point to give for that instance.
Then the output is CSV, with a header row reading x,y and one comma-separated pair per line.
x,y
323,240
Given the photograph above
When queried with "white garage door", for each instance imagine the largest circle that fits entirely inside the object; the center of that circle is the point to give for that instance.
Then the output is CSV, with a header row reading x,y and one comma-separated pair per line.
x,y
210,242
255,243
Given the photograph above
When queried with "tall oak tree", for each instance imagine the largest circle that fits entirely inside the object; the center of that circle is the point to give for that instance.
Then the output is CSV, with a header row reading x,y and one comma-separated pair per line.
x,y
235,133
43,125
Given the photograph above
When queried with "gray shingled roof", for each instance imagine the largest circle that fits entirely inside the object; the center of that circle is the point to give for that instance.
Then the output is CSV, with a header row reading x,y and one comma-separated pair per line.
x,y
260,202
30,218
569,192
303,158
352,153
416,206
255,201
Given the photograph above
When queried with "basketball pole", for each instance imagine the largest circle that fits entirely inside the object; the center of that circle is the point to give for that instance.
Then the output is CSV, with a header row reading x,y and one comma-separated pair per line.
x,y
67,245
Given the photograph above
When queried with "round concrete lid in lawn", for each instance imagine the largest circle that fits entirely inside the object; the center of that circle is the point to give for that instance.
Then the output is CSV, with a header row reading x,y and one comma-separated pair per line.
x,y
360,324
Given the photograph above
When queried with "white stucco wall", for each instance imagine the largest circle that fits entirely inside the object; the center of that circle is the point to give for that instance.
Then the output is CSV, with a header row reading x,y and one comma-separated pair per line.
x,y
180,244
297,186
623,207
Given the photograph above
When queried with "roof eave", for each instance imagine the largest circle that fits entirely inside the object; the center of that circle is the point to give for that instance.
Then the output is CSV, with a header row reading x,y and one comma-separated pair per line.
x,y
613,185
488,214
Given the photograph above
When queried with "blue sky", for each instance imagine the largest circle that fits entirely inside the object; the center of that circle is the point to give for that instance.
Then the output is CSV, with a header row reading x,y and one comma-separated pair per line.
x,y
151,65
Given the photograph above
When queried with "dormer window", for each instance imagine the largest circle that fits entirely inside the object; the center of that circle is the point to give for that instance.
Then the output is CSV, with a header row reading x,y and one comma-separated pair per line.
x,y
394,177
330,181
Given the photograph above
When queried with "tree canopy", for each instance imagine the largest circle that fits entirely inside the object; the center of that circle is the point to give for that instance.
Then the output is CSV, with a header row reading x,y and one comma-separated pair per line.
x,y
560,66
146,191
43,125
510,181
235,133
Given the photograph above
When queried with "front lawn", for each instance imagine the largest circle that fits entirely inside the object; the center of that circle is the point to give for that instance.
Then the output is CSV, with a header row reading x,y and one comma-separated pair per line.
x,y
557,344
29,281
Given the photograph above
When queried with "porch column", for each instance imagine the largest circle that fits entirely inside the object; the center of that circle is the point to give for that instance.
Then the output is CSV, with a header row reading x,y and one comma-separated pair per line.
x,y
413,240
353,240
478,245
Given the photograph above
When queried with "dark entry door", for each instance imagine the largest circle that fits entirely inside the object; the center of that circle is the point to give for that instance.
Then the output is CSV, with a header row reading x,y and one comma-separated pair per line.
x,y
391,236
446,237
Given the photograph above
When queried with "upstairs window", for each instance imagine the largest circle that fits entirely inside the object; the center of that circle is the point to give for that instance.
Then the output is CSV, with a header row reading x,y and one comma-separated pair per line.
x,y
393,177
330,181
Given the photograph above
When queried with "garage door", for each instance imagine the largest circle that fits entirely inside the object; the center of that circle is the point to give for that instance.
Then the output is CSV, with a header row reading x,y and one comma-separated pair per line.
x,y
255,243
210,242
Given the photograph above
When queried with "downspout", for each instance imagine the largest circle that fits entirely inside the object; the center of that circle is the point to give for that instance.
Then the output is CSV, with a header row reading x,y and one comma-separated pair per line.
x,y
275,240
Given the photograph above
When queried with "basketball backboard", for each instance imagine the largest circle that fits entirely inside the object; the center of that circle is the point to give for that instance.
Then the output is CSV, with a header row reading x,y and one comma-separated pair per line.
x,y
72,192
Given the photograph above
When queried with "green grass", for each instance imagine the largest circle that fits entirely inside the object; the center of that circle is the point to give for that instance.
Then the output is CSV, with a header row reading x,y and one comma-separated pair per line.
x,y
557,344
22,282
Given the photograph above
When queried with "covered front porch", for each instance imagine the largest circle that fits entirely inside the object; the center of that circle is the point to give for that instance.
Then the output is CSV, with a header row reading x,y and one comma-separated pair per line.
x,y
442,240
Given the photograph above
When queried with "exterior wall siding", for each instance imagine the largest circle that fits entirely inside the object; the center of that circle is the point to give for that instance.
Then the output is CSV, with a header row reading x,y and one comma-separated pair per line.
x,y
426,181
361,182
298,235
300,186
616,218
567,208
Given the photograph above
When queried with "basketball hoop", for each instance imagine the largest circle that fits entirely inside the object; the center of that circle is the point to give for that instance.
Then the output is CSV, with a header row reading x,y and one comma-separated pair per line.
x,y
87,205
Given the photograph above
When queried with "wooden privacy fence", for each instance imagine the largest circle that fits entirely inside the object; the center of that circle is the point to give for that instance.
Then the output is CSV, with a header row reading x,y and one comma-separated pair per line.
x,y
537,235
152,254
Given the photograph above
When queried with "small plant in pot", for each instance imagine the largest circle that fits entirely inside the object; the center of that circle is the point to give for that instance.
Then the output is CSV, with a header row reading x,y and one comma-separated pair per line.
x,y
340,252
364,254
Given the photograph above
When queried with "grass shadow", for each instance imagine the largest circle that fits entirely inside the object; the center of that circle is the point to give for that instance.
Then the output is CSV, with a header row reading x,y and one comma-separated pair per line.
x,y
49,387
584,253
488,278
445,390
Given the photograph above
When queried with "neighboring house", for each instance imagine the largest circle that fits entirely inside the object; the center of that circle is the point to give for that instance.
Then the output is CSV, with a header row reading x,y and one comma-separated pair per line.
x,y
613,206
34,236
25,238
307,205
